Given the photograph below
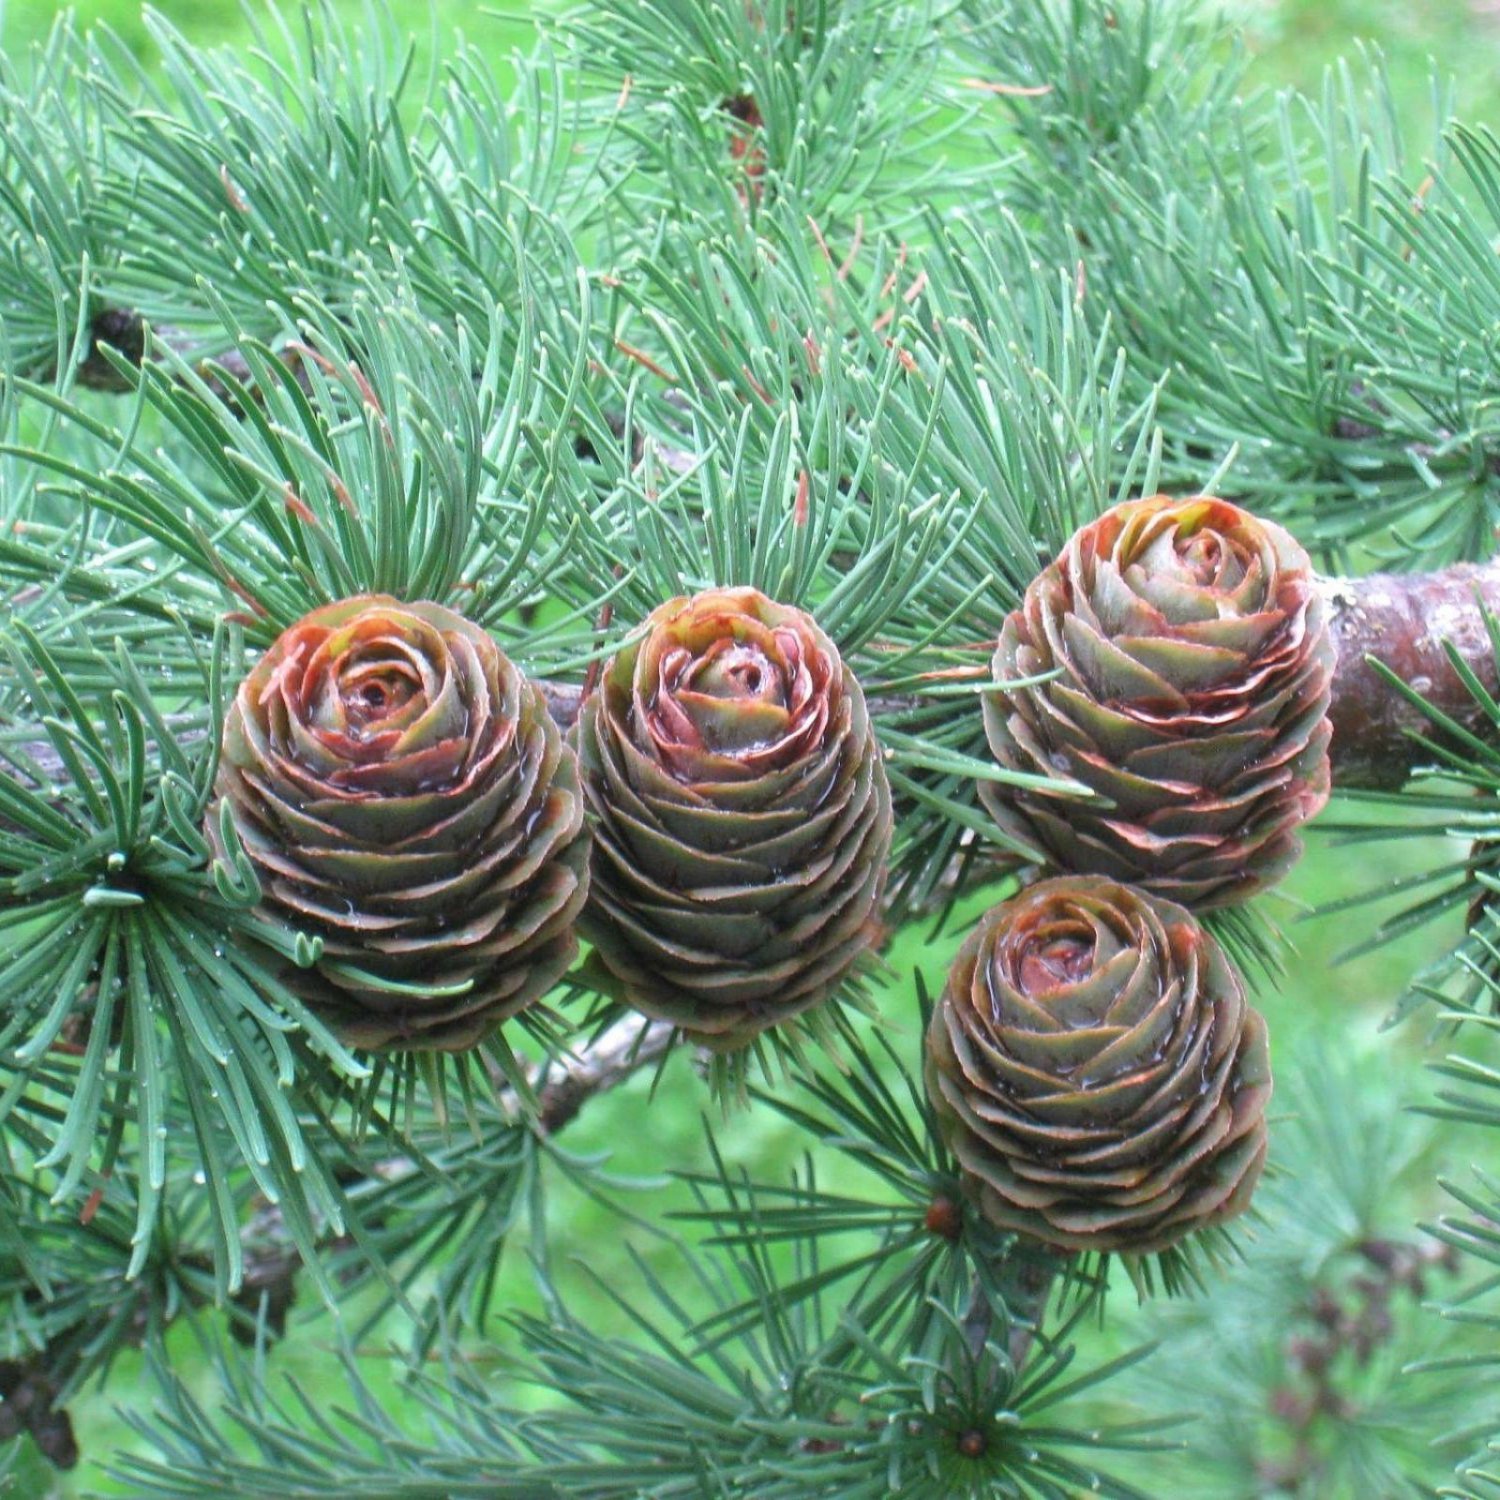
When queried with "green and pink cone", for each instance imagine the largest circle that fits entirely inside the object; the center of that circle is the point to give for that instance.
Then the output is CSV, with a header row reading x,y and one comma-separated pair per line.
x,y
1192,669
1097,1071
741,816
404,797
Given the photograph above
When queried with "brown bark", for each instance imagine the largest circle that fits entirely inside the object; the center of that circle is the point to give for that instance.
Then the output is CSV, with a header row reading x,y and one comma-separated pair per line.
x,y
28,1403
1403,620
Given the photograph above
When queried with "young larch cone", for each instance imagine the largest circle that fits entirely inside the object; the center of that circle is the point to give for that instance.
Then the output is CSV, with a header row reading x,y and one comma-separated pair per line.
x,y
741,815
405,797
1096,1069
1193,672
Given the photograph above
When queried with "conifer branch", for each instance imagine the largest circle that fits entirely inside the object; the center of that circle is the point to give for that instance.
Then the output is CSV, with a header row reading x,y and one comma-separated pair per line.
x,y
30,1387
1399,620
677,302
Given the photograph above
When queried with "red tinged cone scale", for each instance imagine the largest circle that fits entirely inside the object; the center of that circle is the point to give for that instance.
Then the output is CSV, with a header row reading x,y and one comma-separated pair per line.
x,y
1193,670
1097,1071
741,815
405,797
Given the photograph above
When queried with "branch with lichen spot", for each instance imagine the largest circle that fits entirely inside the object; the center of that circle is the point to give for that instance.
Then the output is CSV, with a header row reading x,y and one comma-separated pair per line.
x,y
1407,622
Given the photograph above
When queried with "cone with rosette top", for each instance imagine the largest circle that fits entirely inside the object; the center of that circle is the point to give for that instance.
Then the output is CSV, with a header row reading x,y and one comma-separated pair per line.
x,y
405,799
741,813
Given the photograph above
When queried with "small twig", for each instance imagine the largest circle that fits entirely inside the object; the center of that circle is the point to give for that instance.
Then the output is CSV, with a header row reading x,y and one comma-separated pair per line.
x,y
564,1088
1026,1279
627,1046
978,1317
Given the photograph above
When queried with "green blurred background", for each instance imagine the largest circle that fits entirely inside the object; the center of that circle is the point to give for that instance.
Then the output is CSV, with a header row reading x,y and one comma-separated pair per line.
x,y
1321,1010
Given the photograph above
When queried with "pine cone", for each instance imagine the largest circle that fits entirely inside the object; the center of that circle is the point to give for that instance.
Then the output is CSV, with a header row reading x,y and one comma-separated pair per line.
x,y
1194,672
1096,1069
742,816
404,796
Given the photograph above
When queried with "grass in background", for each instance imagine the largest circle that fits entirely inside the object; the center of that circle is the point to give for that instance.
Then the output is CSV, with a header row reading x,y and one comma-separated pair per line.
x,y
1318,1005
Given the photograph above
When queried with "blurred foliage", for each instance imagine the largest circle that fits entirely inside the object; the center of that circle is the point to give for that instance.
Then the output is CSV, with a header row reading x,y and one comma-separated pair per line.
x,y
1329,1224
